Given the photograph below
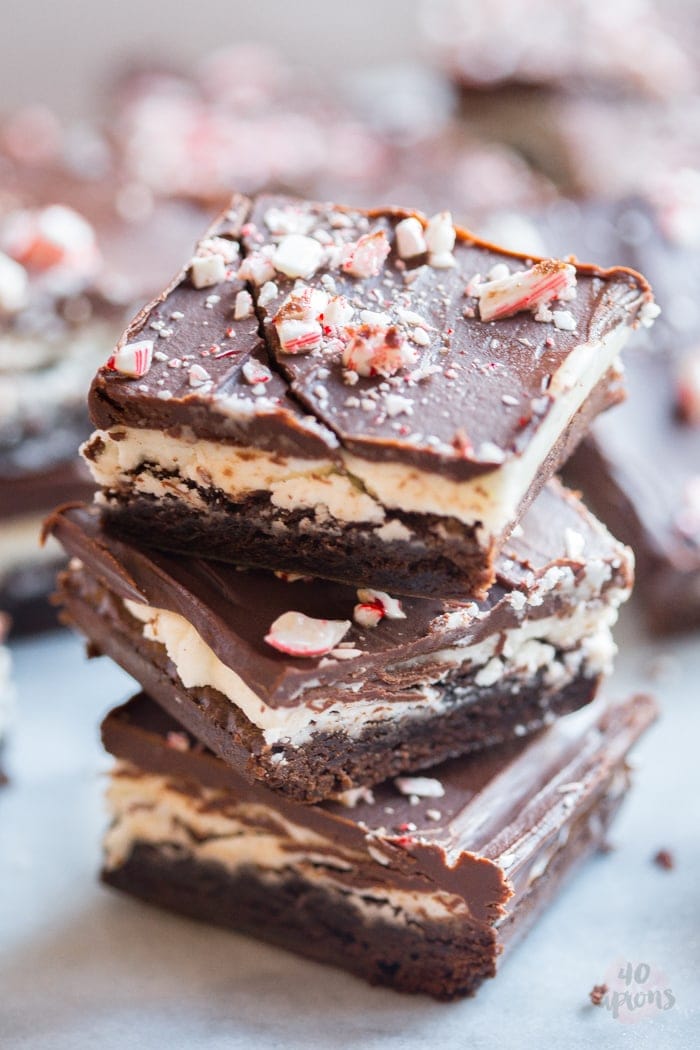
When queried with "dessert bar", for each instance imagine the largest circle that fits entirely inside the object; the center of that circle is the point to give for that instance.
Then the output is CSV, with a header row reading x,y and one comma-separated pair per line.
x,y
412,390
420,886
316,687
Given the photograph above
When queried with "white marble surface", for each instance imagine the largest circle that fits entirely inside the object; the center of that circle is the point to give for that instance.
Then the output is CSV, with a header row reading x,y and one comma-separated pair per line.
x,y
81,967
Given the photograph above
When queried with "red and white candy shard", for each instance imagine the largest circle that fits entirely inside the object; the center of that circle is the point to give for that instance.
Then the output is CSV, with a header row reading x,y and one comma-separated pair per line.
x,y
207,270
296,634
255,372
527,290
367,255
132,360
376,350
56,236
298,321
338,312
688,387
374,606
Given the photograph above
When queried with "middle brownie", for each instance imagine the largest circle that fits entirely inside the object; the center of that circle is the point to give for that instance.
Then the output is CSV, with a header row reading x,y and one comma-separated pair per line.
x,y
318,688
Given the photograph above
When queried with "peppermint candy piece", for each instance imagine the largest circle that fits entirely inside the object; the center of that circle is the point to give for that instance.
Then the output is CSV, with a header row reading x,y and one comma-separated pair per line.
x,y
133,359
296,634
375,350
440,239
297,256
388,606
367,255
527,290
410,238
207,270
423,787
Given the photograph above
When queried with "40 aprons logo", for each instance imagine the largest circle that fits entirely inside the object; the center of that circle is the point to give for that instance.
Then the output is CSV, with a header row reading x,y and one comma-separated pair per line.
x,y
635,991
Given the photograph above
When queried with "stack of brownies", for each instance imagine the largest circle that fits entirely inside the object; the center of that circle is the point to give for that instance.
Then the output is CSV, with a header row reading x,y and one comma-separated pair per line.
x,y
368,624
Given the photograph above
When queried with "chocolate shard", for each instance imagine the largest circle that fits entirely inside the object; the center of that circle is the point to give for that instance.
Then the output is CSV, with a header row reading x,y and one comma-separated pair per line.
x,y
396,398
315,687
420,885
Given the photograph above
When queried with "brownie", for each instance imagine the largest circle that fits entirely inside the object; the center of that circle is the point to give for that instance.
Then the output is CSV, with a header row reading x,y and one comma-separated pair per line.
x,y
393,411
640,465
315,687
419,885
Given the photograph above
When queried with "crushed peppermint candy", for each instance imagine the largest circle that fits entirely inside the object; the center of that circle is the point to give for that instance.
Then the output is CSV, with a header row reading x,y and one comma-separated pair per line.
x,y
410,238
256,268
649,312
688,387
440,239
423,787
375,350
367,255
296,634
526,290
374,606
55,236
207,270
297,255
337,312
255,372
198,376
268,292
133,359
243,307
298,321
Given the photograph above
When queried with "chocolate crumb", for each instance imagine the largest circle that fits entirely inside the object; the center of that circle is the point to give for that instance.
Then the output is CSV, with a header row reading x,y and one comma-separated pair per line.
x,y
597,992
664,859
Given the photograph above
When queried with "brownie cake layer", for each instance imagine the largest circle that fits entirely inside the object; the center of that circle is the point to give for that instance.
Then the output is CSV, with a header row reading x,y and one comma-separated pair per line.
x,y
390,390
419,886
316,687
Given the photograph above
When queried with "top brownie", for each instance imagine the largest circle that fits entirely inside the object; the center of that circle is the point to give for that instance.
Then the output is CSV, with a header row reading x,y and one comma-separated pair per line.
x,y
388,389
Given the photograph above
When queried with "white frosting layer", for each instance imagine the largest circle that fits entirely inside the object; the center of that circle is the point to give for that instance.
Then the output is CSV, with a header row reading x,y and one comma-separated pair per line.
x,y
584,634
145,808
357,489
19,544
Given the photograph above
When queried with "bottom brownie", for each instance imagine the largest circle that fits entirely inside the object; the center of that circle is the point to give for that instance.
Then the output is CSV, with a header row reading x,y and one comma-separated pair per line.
x,y
419,887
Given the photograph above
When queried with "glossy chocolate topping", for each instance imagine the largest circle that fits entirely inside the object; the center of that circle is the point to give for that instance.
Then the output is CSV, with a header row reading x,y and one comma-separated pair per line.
x,y
474,395
499,810
233,610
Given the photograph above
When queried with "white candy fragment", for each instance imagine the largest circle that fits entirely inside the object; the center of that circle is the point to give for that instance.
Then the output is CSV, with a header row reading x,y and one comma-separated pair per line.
x,y
207,270
132,360
256,268
410,238
14,285
440,238
688,387
222,246
197,376
338,311
564,320
423,787
297,256
649,312
255,372
375,350
268,292
296,634
527,290
244,306
574,543
367,255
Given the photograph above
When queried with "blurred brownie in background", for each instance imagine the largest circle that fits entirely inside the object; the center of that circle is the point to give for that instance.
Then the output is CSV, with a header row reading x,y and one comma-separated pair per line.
x,y
79,246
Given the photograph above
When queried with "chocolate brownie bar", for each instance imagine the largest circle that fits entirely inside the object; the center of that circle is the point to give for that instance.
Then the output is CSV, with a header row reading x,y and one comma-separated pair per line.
x,y
419,885
78,246
400,396
315,687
